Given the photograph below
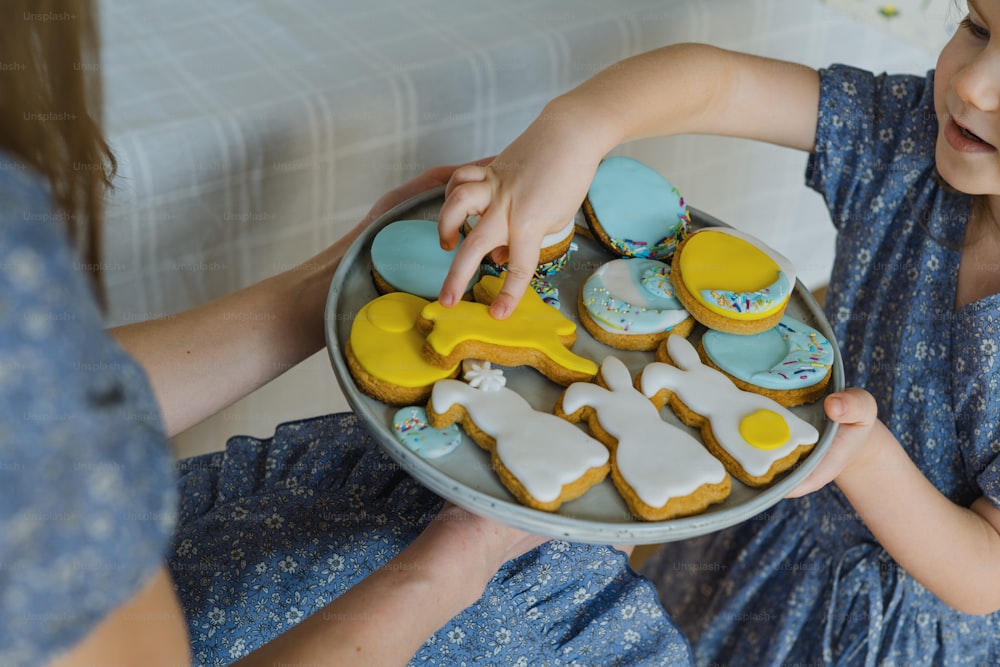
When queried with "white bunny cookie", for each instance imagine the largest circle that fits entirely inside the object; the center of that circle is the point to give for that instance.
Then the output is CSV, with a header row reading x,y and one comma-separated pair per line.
x,y
541,459
660,471
755,437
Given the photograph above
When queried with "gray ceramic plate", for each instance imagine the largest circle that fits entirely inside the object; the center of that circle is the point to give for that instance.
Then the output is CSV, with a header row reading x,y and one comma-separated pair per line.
x,y
465,476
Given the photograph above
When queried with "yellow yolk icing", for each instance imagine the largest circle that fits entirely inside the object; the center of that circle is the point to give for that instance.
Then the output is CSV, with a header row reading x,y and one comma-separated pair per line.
x,y
719,267
765,429
387,344
533,324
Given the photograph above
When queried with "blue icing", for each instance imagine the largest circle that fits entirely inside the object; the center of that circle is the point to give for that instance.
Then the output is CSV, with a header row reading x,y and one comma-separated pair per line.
x,y
758,301
638,209
411,428
789,356
632,296
408,256
546,290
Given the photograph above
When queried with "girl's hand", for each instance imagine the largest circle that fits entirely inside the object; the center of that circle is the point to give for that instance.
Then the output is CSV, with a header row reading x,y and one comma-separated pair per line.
x,y
533,188
856,413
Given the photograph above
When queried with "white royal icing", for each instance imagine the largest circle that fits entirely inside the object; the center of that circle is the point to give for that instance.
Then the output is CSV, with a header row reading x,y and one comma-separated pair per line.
x,y
713,395
632,296
481,375
541,450
658,460
548,240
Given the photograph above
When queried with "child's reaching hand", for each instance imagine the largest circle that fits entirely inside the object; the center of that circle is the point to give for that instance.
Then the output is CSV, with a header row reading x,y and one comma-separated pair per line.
x,y
539,182
528,191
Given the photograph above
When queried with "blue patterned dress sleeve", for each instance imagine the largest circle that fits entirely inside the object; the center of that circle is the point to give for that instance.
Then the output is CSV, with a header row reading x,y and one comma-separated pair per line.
x,y
87,500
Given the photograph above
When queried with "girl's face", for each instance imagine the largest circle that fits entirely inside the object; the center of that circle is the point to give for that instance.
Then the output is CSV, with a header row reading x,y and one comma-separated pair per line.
x,y
967,102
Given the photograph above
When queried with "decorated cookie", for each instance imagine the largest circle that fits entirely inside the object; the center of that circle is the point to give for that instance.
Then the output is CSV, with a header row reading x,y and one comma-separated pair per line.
x,y
753,436
541,282
554,247
412,429
634,212
542,460
660,470
406,256
385,351
629,304
535,335
732,282
790,363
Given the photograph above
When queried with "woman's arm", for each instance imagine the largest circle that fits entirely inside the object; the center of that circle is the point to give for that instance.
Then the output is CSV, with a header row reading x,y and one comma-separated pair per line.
x,y
204,359
953,551
386,617
540,180
149,629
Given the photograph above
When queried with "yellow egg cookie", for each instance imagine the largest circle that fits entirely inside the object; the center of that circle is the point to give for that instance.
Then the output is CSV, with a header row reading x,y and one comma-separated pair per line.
x,y
732,282
385,351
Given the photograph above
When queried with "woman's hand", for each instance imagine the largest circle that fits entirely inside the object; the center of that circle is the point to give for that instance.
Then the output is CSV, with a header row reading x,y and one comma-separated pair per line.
x,y
484,543
856,414
442,572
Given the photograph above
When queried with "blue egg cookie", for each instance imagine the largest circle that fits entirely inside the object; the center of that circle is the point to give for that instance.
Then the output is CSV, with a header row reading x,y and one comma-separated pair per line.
x,y
633,211
406,256
790,363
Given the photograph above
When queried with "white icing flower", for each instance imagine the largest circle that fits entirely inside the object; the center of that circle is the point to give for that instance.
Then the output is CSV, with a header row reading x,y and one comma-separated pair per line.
x,y
481,375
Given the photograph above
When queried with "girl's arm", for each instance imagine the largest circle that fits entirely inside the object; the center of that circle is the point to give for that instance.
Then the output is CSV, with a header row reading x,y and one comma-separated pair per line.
x,y
951,550
204,359
540,180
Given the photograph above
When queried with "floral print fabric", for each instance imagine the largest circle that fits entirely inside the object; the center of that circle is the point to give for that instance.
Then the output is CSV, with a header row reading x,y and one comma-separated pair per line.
x,y
806,582
272,530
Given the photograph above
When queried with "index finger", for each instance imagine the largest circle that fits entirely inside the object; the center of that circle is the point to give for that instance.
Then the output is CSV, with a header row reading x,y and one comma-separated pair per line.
x,y
524,252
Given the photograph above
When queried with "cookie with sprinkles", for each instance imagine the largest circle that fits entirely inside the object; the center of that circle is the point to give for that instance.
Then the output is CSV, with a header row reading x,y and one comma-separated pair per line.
x,y
633,211
731,281
411,428
629,304
791,363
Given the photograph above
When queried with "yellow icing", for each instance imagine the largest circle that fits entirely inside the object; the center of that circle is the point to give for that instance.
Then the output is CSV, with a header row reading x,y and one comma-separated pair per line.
x,y
718,261
765,429
534,324
387,344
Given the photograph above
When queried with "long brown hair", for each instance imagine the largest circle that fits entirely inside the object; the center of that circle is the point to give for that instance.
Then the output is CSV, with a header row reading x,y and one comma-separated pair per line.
x,y
50,110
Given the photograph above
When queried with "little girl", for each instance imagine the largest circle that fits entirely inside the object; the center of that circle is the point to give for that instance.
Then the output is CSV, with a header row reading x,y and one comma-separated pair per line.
x,y
898,561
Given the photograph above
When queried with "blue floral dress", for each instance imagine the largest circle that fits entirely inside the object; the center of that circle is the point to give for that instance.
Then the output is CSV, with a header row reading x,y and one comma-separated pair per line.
x,y
806,582
257,537
87,500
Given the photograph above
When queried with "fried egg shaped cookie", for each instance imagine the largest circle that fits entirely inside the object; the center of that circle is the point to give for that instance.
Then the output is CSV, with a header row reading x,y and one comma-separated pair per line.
x,y
406,256
633,211
384,351
790,363
629,304
661,471
754,437
732,282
